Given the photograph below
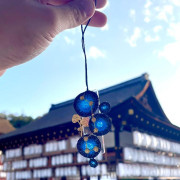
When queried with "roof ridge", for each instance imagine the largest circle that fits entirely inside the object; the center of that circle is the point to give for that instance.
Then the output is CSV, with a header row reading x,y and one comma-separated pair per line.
x,y
143,77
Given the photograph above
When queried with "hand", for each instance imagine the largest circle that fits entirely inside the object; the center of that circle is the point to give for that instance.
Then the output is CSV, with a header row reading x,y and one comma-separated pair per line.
x,y
27,27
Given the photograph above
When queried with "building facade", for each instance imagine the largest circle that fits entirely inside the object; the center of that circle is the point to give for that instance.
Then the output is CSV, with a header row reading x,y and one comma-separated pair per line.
x,y
5,127
142,143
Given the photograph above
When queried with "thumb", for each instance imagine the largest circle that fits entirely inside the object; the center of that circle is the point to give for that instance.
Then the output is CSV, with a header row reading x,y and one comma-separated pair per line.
x,y
74,13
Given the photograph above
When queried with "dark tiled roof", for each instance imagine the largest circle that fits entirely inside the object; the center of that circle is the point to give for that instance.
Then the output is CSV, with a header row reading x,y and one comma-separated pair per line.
x,y
62,113
143,120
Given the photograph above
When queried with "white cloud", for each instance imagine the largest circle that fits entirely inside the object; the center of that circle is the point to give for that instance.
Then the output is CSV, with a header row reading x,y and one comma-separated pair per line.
x,y
175,2
162,16
147,19
68,40
159,10
125,30
135,36
105,28
169,96
132,14
157,28
168,9
147,12
149,38
174,31
148,4
95,53
171,52
165,13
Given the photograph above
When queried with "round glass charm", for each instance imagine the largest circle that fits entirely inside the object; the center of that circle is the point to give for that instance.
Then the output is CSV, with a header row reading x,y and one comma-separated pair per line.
x,y
104,107
93,163
89,146
100,124
86,103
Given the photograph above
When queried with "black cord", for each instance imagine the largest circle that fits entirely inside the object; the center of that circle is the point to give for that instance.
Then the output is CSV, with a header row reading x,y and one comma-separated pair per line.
x,y
84,49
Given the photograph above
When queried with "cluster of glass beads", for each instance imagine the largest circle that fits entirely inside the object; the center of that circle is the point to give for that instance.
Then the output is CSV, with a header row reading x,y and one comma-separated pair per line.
x,y
86,105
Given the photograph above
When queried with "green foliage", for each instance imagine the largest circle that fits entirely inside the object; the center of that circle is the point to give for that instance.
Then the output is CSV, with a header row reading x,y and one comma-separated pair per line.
x,y
17,121
3,116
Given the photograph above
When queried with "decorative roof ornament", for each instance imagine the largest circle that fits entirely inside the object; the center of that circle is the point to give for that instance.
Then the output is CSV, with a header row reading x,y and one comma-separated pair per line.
x,y
92,115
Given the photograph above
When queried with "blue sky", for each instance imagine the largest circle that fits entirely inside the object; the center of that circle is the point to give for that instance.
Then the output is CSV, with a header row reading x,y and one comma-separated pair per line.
x,y
140,36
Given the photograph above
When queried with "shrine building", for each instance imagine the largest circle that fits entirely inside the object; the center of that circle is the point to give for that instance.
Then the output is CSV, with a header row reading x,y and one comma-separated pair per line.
x,y
142,144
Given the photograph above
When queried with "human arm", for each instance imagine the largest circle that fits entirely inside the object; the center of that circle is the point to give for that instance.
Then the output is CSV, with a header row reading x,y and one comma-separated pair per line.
x,y
27,27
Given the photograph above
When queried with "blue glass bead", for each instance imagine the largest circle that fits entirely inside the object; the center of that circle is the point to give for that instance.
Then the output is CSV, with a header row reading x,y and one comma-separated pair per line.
x,y
86,103
93,163
104,107
89,146
100,124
